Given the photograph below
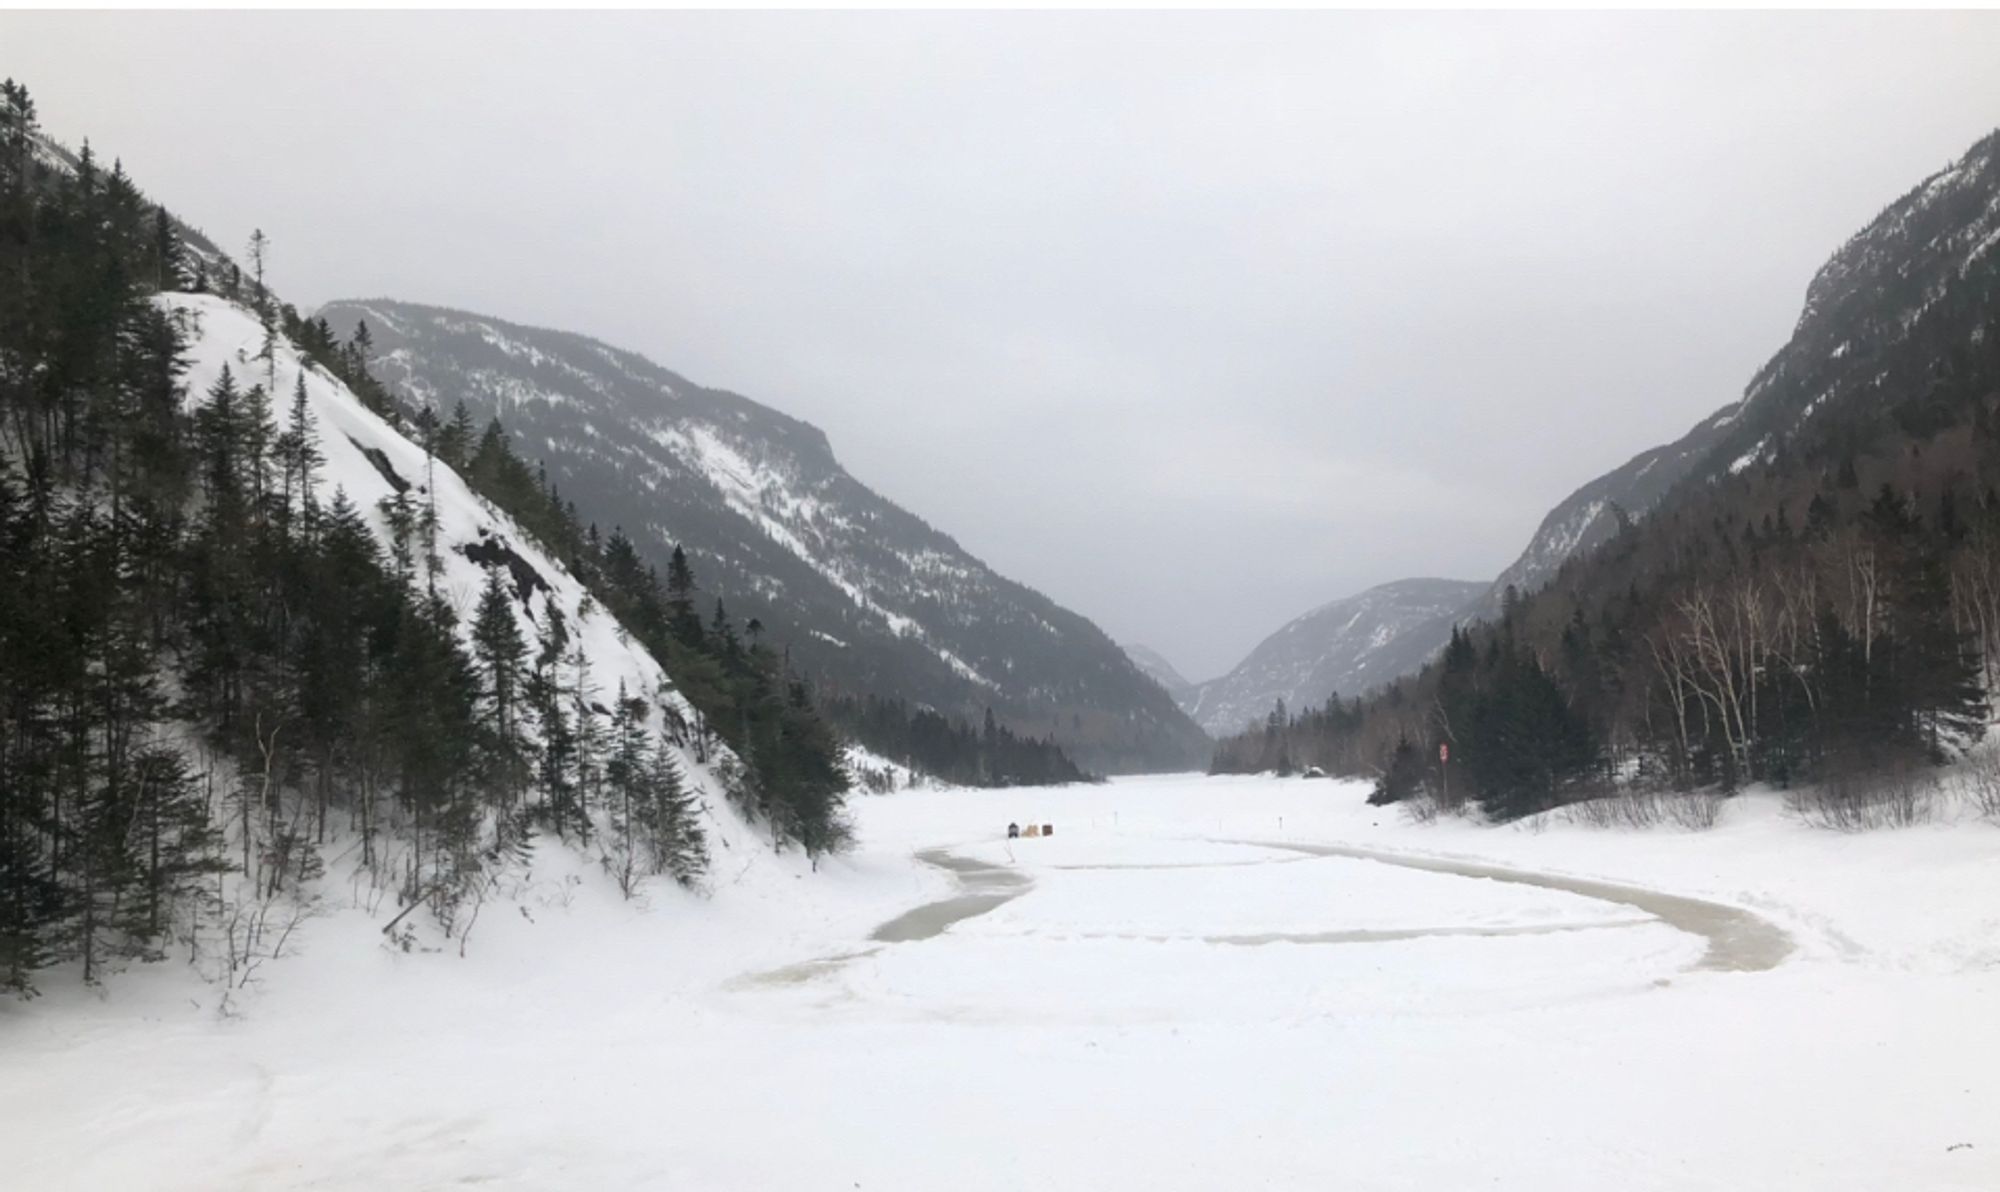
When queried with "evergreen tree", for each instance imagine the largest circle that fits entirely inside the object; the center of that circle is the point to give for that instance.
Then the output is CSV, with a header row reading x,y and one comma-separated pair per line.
x,y
502,652
676,844
681,613
455,440
628,777
1402,778
299,459
169,264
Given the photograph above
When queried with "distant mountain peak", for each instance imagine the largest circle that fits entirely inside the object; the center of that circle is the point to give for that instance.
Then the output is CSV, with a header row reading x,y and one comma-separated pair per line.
x,y
1154,665
1347,647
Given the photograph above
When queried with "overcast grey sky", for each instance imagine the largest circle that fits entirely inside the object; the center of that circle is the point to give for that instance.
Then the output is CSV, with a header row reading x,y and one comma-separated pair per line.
x,y
1192,321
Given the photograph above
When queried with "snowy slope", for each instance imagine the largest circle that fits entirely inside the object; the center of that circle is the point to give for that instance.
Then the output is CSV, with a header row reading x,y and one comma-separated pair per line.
x,y
222,334
874,774
1349,646
865,595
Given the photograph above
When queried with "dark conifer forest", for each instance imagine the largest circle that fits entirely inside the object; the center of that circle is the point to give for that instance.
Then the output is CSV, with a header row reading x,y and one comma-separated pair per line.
x,y
927,741
211,673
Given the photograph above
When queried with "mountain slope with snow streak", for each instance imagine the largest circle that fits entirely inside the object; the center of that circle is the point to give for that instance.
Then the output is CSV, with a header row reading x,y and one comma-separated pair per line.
x,y
865,596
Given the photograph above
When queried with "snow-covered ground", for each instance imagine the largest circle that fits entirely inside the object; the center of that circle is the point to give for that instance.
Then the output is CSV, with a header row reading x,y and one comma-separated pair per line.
x,y
1162,995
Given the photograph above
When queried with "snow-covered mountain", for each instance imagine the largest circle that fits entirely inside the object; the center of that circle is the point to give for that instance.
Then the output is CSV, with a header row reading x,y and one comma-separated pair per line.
x,y
1154,665
1907,266
1349,646
865,596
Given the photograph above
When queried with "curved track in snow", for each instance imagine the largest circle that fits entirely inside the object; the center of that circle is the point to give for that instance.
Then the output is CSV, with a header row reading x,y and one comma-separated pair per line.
x,y
983,886
1739,941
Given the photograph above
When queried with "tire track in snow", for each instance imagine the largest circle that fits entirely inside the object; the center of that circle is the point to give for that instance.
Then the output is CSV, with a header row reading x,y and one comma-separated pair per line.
x,y
1367,935
982,887
1739,941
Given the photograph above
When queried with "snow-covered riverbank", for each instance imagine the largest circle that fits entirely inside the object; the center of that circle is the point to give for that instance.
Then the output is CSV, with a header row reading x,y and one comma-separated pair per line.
x,y
1155,1003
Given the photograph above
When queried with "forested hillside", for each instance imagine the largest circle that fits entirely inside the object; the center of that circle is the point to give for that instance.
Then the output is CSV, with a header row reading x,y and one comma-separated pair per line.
x,y
1816,602
255,619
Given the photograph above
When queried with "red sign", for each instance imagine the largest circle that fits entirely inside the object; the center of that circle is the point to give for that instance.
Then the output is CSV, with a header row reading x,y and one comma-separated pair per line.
x,y
1444,752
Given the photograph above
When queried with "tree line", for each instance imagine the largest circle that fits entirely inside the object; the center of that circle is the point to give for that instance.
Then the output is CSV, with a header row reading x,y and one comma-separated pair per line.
x,y
925,739
1847,653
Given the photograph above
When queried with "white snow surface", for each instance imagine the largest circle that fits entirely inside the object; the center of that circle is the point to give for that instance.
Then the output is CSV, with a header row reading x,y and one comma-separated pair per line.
x,y
861,760
1750,457
1110,1027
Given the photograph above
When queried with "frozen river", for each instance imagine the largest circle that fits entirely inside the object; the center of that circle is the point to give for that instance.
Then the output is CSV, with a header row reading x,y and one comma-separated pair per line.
x,y
1193,984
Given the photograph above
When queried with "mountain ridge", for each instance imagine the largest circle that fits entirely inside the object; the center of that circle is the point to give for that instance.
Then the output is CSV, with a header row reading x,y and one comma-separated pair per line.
x,y
866,596
1154,665
1589,516
1347,647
